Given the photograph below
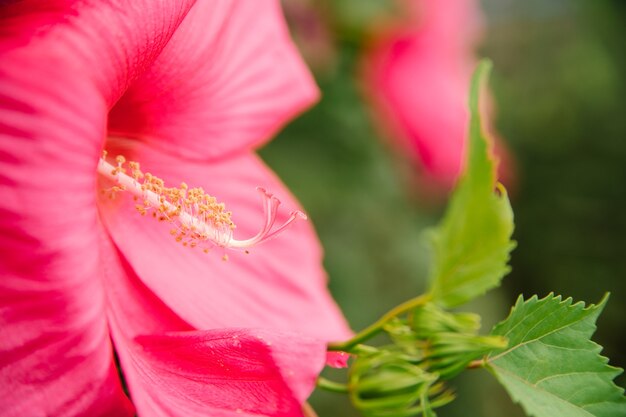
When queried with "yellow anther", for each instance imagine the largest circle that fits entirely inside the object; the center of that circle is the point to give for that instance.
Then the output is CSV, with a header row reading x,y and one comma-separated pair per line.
x,y
199,219
135,170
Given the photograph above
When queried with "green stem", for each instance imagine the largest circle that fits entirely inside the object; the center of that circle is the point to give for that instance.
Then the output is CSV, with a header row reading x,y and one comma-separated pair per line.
x,y
331,386
377,327
478,363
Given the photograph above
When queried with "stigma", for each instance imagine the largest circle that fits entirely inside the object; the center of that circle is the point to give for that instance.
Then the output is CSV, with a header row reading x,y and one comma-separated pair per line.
x,y
198,219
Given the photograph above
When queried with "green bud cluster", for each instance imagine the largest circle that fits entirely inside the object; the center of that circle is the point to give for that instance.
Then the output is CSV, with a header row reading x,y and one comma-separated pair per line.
x,y
431,319
450,340
387,383
450,353
406,378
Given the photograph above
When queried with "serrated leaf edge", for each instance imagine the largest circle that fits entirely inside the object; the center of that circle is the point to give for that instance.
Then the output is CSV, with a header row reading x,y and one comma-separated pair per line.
x,y
567,302
615,371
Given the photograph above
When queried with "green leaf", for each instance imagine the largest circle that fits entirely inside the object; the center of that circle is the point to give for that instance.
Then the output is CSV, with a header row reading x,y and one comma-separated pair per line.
x,y
471,245
551,367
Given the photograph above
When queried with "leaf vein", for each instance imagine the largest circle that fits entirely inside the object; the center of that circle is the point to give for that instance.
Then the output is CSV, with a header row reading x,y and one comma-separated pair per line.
x,y
503,370
547,378
524,343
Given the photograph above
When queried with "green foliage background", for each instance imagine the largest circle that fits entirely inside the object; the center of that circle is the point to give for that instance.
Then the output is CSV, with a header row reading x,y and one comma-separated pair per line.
x,y
560,88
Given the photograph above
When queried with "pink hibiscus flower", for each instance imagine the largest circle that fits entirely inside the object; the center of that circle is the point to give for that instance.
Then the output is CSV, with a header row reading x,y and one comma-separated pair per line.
x,y
189,90
417,75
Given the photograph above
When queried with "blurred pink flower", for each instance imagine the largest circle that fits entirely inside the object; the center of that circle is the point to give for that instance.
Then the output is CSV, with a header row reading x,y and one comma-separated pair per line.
x,y
417,75
193,89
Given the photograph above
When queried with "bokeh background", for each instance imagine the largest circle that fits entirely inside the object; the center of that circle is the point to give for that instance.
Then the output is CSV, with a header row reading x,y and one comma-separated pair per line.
x,y
559,93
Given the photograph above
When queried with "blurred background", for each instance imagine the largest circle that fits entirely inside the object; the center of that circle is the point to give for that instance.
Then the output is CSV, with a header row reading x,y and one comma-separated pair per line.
x,y
372,164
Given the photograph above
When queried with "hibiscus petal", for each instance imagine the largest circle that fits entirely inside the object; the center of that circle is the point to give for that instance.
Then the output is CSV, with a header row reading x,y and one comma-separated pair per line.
x,y
418,78
55,354
252,371
173,370
337,359
228,80
279,285
107,42
429,117
226,372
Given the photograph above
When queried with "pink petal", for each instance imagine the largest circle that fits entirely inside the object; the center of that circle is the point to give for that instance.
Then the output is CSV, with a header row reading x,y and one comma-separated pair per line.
x,y
337,359
279,285
224,373
103,41
55,354
174,371
249,370
418,79
229,79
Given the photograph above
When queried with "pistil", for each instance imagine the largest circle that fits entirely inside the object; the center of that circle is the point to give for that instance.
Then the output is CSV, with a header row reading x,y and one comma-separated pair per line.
x,y
199,219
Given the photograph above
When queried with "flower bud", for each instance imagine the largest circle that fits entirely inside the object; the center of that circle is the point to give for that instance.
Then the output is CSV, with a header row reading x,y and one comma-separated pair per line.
x,y
430,319
387,384
449,353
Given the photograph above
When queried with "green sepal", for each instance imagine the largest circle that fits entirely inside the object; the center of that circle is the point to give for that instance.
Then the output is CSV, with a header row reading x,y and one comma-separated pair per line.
x,y
450,353
389,383
430,319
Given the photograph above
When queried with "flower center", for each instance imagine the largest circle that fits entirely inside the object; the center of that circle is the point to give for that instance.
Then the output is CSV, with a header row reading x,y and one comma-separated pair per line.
x,y
199,219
